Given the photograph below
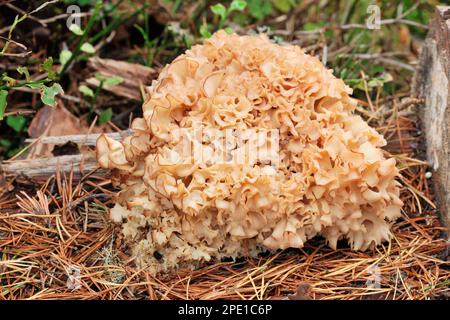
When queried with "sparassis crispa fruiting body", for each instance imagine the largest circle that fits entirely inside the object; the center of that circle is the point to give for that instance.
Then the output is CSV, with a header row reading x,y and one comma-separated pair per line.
x,y
329,178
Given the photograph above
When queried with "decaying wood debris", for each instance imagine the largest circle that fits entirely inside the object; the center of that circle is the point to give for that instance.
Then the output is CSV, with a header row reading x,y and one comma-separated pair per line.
x,y
432,85
42,168
134,76
81,139
46,167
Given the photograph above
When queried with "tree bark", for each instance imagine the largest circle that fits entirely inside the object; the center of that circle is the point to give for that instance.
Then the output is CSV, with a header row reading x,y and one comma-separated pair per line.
x,y
431,84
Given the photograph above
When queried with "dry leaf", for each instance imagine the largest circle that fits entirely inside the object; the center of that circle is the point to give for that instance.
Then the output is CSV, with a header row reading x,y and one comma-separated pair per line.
x,y
53,121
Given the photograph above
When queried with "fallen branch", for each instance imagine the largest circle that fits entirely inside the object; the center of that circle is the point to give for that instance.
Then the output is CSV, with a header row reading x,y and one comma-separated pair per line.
x,y
42,169
80,139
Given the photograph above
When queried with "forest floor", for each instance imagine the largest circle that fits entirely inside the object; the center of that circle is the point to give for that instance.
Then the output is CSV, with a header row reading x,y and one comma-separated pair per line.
x,y
56,241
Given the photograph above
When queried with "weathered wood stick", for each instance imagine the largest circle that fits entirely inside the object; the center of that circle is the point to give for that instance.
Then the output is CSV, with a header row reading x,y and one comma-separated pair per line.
x,y
81,139
41,169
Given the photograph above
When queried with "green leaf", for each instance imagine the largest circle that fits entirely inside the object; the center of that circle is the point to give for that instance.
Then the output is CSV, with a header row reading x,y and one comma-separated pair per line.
x,y
105,116
355,83
85,2
64,57
3,102
108,81
76,29
237,5
100,77
205,32
5,143
86,91
9,81
229,30
309,26
88,48
24,70
48,67
380,81
242,19
277,39
34,85
329,33
16,122
48,94
259,9
113,81
219,10
283,5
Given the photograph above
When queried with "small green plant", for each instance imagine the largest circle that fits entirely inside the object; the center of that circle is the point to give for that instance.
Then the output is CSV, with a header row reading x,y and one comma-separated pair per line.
x,y
16,122
223,13
47,92
7,82
91,95
66,56
370,83
151,45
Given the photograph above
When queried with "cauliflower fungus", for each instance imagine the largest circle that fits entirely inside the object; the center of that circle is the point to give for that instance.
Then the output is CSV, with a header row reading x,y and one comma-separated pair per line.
x,y
322,171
